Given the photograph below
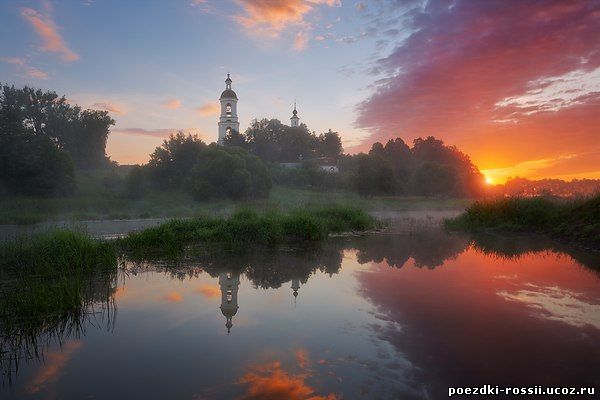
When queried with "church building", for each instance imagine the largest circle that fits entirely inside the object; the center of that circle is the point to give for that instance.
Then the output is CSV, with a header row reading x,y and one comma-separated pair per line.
x,y
229,118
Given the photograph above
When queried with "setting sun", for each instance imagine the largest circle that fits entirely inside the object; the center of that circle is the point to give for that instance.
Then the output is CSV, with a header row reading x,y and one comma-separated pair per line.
x,y
488,180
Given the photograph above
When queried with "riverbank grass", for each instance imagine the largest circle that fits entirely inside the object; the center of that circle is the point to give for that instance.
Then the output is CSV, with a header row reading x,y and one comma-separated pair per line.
x,y
571,220
56,253
247,226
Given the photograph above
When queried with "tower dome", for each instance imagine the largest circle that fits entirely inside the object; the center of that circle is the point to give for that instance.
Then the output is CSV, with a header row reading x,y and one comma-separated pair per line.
x,y
228,93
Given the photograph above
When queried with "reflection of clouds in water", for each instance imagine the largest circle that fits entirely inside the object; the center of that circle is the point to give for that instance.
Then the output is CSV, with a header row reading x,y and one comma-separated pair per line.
x,y
558,304
56,361
386,375
271,381
209,291
173,297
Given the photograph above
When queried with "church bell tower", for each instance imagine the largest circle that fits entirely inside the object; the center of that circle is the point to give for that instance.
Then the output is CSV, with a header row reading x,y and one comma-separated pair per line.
x,y
295,120
229,118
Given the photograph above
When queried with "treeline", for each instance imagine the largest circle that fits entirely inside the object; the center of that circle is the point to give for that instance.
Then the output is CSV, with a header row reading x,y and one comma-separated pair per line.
x,y
273,141
429,168
43,139
548,187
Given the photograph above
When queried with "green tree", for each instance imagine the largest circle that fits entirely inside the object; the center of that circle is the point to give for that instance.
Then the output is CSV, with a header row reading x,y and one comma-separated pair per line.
x,y
228,172
81,133
468,179
372,175
330,144
171,163
235,138
32,165
435,179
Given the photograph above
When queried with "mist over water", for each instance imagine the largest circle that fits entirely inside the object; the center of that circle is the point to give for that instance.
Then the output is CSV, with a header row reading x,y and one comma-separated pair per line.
x,y
376,316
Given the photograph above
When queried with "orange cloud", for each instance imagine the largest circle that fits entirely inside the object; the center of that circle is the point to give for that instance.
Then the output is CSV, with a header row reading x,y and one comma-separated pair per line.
x,y
208,109
271,17
55,362
108,107
52,41
270,381
173,104
174,297
209,291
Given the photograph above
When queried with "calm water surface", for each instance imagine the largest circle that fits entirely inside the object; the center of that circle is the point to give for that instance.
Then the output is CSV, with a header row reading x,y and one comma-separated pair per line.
x,y
386,316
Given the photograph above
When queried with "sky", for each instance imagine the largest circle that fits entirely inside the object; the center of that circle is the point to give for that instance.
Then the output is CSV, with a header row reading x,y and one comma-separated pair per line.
x,y
515,84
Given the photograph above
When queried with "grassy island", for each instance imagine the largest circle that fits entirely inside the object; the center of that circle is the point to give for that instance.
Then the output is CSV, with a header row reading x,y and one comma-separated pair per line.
x,y
570,220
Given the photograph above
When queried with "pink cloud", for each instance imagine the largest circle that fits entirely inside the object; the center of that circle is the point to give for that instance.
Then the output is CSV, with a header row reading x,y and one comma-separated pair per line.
x,y
108,107
173,104
208,109
300,41
466,73
13,60
52,41
36,73
25,69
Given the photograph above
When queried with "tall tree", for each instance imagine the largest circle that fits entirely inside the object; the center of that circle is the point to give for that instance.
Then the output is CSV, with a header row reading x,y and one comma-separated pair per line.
x,y
330,144
81,133
170,163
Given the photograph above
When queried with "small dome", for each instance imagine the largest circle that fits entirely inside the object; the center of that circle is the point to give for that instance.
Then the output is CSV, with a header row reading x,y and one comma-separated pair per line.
x,y
228,94
229,312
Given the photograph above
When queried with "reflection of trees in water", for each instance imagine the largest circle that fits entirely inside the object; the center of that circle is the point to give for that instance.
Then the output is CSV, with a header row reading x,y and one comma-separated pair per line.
x,y
26,337
26,334
515,246
268,267
428,248
265,267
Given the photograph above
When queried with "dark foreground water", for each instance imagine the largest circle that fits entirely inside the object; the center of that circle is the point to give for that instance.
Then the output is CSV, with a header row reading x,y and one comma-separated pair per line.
x,y
386,316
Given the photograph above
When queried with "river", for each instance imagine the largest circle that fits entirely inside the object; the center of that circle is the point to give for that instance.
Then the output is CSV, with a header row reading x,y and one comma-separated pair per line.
x,y
382,316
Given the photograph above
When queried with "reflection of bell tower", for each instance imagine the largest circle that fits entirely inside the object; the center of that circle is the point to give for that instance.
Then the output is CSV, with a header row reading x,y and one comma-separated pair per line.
x,y
229,282
295,287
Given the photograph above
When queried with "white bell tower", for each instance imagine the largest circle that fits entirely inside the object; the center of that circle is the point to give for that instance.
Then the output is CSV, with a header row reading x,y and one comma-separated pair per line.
x,y
295,121
229,118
